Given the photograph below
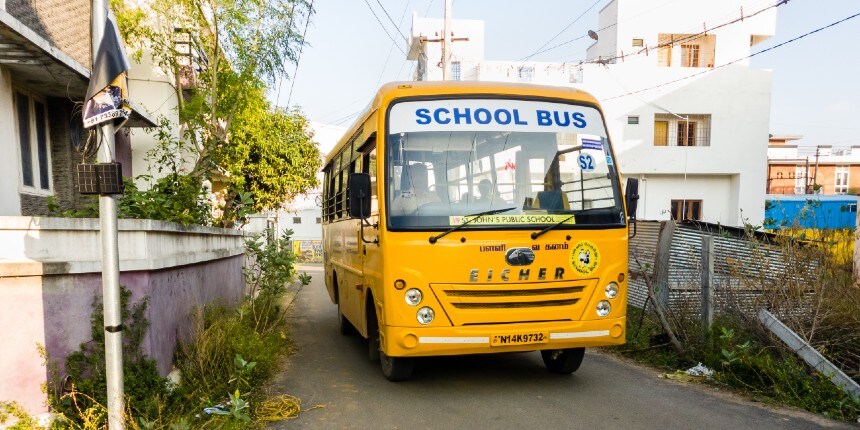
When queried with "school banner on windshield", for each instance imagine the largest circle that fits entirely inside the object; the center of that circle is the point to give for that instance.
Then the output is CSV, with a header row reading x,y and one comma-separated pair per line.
x,y
494,115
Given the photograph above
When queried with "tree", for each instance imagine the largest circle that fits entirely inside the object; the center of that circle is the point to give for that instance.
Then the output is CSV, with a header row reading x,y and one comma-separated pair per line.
x,y
232,51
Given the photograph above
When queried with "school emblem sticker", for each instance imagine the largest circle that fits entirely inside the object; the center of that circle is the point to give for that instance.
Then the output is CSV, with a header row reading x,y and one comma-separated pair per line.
x,y
584,258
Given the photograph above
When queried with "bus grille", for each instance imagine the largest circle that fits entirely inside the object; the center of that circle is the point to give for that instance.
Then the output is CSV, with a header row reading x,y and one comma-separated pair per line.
x,y
510,293
506,305
468,304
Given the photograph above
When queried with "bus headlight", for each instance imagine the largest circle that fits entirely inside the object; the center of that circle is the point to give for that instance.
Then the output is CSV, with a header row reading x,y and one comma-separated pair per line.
x,y
425,315
611,290
603,308
413,297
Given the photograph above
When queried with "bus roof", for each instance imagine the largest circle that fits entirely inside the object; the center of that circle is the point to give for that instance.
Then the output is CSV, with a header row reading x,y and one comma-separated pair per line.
x,y
395,90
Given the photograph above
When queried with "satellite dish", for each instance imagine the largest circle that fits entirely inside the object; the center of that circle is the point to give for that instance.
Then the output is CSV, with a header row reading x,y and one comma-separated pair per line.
x,y
592,34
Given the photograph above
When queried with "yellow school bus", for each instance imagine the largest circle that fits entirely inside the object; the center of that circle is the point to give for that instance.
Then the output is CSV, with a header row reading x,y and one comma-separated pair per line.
x,y
472,218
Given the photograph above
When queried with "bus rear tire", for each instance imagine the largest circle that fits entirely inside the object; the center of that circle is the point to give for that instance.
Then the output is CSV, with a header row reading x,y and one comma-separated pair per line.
x,y
346,327
563,361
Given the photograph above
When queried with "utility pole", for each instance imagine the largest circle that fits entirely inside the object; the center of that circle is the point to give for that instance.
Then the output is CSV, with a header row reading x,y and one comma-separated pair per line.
x,y
110,251
446,41
815,175
806,177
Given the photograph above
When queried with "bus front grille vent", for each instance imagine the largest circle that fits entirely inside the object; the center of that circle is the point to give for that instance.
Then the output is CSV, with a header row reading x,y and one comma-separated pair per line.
x,y
508,305
513,293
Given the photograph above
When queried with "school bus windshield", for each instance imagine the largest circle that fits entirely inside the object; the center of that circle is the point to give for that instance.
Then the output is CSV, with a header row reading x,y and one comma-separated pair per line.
x,y
545,162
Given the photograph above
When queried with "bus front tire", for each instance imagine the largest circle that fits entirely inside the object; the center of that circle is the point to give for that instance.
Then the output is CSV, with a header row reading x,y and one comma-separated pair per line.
x,y
396,369
563,361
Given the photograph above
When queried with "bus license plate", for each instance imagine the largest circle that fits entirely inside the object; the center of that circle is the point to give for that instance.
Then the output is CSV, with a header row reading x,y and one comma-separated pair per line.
x,y
518,339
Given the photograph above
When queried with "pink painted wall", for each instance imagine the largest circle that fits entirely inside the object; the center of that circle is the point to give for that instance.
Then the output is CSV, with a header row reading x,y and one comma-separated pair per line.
x,y
55,311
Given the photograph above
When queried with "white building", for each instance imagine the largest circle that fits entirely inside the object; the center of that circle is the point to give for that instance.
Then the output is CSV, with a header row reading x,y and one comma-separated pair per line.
x,y
686,118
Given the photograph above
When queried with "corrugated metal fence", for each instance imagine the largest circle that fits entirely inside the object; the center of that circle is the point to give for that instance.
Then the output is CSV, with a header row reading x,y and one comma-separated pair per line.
x,y
739,263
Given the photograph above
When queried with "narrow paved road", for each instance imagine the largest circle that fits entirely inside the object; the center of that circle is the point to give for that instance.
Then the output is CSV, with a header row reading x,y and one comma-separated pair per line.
x,y
492,391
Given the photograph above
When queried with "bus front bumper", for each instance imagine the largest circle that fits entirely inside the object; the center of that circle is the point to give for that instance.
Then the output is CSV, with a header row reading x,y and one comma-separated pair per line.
x,y
483,339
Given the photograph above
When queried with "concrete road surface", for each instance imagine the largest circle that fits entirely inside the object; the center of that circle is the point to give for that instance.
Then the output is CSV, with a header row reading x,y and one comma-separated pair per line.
x,y
494,391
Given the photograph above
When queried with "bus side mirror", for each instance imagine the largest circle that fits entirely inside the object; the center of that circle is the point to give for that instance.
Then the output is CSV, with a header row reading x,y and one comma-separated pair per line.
x,y
359,195
631,196
631,199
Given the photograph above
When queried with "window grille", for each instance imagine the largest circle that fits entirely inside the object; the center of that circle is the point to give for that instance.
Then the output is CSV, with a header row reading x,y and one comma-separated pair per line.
x,y
688,130
683,210
455,71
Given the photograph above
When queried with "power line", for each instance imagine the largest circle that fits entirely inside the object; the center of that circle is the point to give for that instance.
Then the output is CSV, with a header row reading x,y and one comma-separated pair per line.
x,y
685,38
601,29
560,32
301,49
428,8
383,27
396,26
289,33
737,60
385,66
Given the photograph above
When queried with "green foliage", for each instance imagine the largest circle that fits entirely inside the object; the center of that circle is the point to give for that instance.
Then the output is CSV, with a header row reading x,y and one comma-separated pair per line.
x,y
263,156
270,263
270,154
144,387
13,412
779,376
224,361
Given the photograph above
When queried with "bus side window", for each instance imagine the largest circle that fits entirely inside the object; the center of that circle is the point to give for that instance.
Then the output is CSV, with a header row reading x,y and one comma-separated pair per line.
x,y
338,202
325,192
346,167
368,165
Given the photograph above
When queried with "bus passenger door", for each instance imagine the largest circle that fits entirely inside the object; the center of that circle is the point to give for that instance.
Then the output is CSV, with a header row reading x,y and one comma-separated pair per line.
x,y
370,252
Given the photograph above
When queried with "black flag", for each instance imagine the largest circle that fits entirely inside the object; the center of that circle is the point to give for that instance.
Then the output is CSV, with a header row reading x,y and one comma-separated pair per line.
x,y
107,94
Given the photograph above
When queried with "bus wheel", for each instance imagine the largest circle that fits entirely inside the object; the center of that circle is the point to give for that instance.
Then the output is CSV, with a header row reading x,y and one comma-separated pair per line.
x,y
372,332
396,369
563,361
346,327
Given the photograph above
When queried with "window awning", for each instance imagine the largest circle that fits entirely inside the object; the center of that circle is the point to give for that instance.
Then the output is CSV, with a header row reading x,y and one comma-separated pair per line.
x,y
38,64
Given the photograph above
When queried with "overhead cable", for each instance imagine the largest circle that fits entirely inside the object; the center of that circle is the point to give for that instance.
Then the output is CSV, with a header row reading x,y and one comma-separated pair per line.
x,y
560,32
383,27
737,60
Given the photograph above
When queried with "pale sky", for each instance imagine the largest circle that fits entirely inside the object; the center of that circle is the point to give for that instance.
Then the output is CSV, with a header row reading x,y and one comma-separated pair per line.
x,y
816,80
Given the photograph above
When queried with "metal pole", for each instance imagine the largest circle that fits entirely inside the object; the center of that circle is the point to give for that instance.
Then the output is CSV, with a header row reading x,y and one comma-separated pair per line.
x,y
707,284
110,255
446,40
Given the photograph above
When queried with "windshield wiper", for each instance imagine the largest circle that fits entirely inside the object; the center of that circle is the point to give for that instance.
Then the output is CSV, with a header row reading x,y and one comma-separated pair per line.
x,y
433,239
538,234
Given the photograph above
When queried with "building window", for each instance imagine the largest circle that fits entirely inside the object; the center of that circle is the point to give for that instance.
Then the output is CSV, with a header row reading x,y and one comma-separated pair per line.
x,y
682,130
33,141
841,184
525,73
686,50
633,119
638,43
319,220
800,180
455,71
684,210
689,55
686,133
297,220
